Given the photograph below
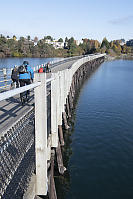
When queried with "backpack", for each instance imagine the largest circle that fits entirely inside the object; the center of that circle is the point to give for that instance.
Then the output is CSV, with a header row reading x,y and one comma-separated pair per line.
x,y
40,70
15,73
22,69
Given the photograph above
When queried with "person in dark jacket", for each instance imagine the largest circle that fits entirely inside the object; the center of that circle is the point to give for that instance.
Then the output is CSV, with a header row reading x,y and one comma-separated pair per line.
x,y
48,67
15,77
26,75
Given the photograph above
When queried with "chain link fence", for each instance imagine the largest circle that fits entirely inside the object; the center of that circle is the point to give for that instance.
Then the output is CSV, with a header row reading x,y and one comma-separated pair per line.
x,y
17,157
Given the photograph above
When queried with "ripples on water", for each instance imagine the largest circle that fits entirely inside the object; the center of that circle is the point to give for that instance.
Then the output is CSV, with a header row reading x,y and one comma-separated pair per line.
x,y
101,164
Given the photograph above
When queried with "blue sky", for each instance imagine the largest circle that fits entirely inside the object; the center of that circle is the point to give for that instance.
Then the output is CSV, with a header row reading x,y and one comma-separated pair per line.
x,y
92,19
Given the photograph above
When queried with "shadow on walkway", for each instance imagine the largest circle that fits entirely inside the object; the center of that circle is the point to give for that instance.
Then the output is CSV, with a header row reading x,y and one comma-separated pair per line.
x,y
11,110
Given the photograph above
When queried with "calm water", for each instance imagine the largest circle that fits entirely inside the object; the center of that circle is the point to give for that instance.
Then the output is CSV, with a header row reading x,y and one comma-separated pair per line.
x,y
101,164
10,62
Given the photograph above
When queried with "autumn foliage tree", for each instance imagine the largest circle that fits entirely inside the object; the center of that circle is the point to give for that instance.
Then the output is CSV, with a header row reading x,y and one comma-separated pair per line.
x,y
27,47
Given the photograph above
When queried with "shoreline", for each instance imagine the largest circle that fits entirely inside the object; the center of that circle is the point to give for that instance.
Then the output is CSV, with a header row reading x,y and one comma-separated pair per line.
x,y
108,57
123,56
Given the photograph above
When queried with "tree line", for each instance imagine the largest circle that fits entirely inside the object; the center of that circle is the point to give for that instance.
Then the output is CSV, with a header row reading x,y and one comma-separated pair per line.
x,y
26,47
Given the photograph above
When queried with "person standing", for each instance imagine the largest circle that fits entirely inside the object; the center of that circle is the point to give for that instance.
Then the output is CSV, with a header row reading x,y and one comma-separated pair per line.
x,y
48,67
26,75
15,77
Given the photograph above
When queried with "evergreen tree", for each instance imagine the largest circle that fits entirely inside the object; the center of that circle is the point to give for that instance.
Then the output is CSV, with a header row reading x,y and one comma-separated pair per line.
x,y
105,43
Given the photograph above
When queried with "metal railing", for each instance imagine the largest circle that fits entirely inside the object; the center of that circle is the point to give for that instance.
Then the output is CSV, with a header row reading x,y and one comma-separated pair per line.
x,y
17,144
66,60
11,93
16,149
5,78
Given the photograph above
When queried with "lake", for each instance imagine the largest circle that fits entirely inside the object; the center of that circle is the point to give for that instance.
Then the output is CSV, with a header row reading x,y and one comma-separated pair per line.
x,y
100,164
11,62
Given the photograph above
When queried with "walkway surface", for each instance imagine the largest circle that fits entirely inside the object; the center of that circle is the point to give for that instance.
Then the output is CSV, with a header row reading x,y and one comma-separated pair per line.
x,y
11,109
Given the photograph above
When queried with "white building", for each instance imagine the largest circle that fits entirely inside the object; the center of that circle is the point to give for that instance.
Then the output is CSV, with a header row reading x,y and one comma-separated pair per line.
x,y
122,42
78,42
48,41
55,43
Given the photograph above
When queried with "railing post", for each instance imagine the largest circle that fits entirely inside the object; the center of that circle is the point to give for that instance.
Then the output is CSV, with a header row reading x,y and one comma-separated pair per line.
x,y
54,116
59,102
5,76
4,72
41,134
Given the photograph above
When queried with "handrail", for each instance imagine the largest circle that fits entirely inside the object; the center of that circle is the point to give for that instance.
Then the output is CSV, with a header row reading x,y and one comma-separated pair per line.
x,y
5,80
3,76
11,93
64,61
5,86
49,80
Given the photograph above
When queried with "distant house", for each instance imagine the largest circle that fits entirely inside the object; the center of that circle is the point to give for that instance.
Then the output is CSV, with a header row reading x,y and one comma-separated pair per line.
x,y
35,43
48,41
27,42
56,44
130,42
77,42
122,42
65,44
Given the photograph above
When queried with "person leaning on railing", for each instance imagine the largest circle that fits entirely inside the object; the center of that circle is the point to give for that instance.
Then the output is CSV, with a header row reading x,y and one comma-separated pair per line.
x,y
26,75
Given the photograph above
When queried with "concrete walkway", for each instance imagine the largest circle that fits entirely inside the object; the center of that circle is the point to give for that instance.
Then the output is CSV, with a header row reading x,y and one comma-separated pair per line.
x,y
11,109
